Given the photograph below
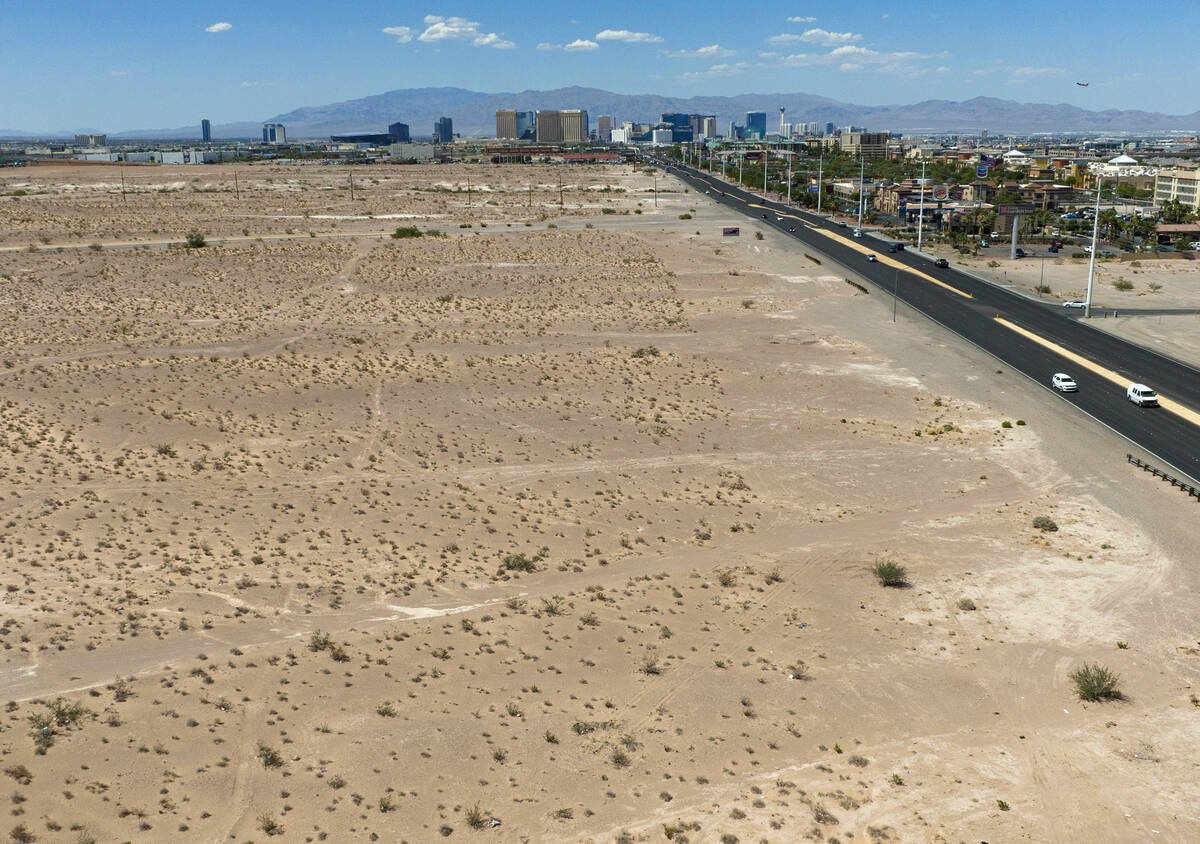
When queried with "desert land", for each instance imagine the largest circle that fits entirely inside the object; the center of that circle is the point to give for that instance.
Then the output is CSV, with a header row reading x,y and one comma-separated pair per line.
x,y
554,523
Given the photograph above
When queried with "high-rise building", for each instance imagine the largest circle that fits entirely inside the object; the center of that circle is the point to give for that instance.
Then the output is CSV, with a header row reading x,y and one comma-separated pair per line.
x,y
756,124
828,129
274,133
574,123
443,131
708,127
506,123
400,132
604,127
549,127
865,144
205,131
677,120
526,125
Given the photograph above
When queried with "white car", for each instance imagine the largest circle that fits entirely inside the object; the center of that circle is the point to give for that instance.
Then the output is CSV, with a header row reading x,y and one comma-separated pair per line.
x,y
1075,303
1141,395
871,257
1063,383
858,232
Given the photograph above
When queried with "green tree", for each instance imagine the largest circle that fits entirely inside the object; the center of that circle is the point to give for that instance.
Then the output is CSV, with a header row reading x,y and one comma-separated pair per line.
x,y
1174,211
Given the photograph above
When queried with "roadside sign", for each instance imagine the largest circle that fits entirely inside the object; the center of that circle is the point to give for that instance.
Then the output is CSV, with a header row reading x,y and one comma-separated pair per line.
x,y
941,192
814,188
981,172
1016,210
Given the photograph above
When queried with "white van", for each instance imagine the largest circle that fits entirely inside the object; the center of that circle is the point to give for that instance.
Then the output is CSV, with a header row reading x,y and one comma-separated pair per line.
x,y
1141,395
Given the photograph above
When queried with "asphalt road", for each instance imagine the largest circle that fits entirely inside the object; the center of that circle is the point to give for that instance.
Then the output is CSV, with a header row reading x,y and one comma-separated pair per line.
x,y
1167,436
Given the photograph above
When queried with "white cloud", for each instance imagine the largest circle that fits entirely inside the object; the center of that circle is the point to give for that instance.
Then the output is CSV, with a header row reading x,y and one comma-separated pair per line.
x,y
246,84
850,58
627,36
828,39
798,19
714,71
118,73
440,28
712,51
403,34
786,38
581,44
1020,73
219,27
546,45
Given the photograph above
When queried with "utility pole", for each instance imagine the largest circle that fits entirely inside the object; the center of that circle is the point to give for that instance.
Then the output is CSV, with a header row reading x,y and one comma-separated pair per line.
x,y
766,157
351,185
655,188
468,189
531,194
237,191
741,160
789,195
123,198
560,191
862,171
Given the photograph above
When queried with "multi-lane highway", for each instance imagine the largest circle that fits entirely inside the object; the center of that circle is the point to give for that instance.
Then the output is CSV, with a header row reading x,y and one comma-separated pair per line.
x,y
1033,337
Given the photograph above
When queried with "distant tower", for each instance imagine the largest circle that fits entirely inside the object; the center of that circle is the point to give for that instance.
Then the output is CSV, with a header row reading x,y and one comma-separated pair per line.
x,y
205,131
782,109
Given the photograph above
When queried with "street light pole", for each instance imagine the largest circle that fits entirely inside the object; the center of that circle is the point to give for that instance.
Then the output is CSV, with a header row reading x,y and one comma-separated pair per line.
x,y
1087,301
921,212
820,178
766,158
862,170
741,160
789,195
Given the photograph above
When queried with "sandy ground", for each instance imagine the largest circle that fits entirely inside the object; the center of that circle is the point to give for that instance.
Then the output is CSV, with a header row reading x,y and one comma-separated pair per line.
x,y
562,531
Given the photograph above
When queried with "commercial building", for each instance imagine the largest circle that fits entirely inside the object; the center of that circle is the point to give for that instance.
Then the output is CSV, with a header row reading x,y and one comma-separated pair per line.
x,y
866,144
662,136
91,140
399,131
206,131
549,127
604,127
413,152
506,123
618,136
1178,185
574,125
756,124
443,131
708,127
274,133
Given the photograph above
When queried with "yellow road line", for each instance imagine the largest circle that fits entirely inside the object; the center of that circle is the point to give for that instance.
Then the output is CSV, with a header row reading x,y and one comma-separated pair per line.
x,y
891,262
1175,407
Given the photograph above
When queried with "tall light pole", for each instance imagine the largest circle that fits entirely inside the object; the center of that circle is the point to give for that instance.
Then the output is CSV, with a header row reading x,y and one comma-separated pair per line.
x,y
741,160
820,178
862,170
766,158
1087,300
921,212
789,192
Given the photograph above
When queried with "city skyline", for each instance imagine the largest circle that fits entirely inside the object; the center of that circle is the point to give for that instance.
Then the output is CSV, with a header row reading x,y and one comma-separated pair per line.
x,y
139,66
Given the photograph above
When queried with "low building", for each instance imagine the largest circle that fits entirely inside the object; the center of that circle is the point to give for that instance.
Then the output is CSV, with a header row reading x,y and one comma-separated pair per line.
x,y
413,152
91,140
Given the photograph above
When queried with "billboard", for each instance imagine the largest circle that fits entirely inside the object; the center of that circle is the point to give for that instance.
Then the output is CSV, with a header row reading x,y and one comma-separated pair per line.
x,y
941,192
1015,210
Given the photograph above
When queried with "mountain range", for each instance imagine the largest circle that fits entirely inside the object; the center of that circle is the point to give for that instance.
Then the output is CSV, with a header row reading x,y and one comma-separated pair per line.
x,y
473,113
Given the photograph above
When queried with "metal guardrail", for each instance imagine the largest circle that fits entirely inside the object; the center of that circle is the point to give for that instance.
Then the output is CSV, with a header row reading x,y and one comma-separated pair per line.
x,y
1158,473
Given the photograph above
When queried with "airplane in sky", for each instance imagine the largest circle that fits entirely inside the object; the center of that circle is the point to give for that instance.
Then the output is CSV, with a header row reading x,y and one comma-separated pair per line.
x,y
1083,84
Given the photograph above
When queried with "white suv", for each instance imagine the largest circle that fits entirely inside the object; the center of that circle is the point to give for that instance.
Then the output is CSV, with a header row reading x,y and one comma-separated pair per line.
x,y
1063,383
1141,395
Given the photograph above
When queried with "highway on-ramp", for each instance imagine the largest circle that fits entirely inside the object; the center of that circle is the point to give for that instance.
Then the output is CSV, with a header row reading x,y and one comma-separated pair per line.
x,y
1033,337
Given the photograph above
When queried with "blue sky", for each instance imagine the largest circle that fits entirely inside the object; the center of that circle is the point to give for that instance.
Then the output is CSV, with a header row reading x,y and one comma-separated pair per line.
x,y
137,64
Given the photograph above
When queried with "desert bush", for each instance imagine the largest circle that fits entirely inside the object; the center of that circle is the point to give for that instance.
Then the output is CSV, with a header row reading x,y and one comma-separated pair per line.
x,y
195,240
1123,284
685,216
319,641
1005,424
726,577
993,263
20,773
758,235
406,231
966,604
269,756
519,562
476,817
1045,523
889,573
1095,682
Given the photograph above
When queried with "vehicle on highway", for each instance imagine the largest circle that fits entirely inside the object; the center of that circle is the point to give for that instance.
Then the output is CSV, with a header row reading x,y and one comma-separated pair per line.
x,y
1087,249
941,262
899,247
1141,395
791,228
1075,303
871,257
1108,253
779,219
892,248
841,224
858,232
1020,253
766,216
983,244
1063,383
1052,249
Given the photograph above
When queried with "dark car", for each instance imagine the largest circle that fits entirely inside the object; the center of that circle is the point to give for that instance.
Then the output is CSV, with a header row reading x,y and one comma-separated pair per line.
x,y
941,262
791,228
1020,253
899,247
1052,249
765,216
892,248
